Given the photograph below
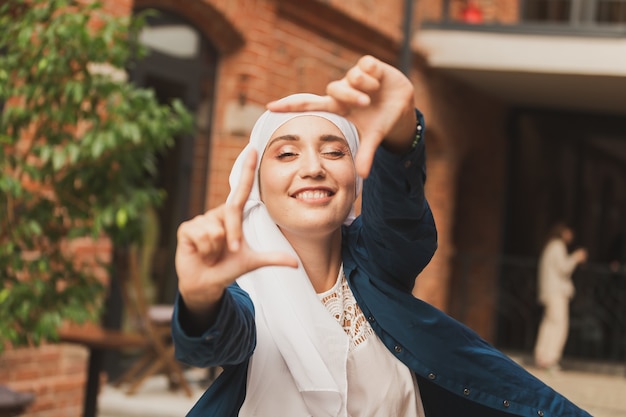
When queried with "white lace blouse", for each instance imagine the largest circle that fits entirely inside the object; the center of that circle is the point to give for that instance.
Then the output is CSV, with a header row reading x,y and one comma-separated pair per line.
x,y
379,385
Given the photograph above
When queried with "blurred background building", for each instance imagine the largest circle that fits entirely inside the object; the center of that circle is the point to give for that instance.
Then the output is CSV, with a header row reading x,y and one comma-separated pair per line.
x,y
525,107
557,71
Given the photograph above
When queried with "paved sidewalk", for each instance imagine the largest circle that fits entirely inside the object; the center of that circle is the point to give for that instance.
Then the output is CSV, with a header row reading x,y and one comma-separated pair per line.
x,y
153,399
602,394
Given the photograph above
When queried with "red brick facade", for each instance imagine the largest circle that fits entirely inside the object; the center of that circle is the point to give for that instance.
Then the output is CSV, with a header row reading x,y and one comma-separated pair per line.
x,y
55,374
270,48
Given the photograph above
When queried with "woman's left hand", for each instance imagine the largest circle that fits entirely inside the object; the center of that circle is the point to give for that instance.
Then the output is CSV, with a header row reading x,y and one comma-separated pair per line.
x,y
377,98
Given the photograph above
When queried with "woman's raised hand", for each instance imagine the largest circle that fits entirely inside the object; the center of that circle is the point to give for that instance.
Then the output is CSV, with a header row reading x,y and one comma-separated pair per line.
x,y
377,98
212,253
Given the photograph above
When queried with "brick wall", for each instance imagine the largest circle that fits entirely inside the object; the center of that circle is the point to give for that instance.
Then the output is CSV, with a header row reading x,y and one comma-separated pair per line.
x,y
465,145
56,374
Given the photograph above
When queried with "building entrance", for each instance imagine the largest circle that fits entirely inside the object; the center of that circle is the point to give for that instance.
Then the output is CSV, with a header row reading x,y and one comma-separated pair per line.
x,y
569,167
181,64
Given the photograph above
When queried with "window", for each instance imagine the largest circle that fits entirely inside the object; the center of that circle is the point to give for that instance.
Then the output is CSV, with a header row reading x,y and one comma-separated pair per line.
x,y
613,11
603,12
548,10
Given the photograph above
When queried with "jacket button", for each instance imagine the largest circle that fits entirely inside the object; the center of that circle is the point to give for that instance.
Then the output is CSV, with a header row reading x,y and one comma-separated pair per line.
x,y
466,391
506,403
397,348
540,413
407,164
432,376
371,319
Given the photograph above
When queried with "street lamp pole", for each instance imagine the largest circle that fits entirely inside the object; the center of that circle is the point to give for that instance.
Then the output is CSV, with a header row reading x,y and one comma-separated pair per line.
x,y
405,52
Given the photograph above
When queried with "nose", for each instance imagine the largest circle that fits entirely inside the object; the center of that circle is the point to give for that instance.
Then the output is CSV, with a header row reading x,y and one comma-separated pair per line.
x,y
312,166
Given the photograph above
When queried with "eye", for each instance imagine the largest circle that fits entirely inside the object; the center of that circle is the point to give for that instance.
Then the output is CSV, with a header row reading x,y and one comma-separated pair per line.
x,y
335,150
286,155
334,154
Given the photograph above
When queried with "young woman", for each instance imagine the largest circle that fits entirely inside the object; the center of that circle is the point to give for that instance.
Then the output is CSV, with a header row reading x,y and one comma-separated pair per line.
x,y
310,311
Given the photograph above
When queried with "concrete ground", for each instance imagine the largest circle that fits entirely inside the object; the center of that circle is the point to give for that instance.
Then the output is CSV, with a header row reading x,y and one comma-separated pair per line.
x,y
598,388
601,395
153,398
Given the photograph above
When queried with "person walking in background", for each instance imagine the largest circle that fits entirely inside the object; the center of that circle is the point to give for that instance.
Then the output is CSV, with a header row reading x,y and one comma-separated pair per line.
x,y
556,290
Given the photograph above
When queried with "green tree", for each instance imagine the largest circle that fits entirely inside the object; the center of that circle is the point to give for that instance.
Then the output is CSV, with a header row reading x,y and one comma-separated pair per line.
x,y
78,149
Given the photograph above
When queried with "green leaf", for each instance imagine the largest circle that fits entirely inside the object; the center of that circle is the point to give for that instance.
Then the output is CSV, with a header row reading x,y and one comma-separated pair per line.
x,y
43,64
58,159
4,295
121,218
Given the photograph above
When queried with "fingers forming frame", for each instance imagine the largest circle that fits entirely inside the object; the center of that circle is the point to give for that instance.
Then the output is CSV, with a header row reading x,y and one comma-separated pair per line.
x,y
233,213
295,104
204,235
358,89
352,90
363,81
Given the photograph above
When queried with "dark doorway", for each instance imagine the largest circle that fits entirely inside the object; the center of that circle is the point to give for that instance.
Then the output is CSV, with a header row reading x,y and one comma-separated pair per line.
x,y
181,64
570,167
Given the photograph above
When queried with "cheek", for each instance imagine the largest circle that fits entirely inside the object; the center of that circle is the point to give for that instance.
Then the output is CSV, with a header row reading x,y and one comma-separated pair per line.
x,y
271,179
349,179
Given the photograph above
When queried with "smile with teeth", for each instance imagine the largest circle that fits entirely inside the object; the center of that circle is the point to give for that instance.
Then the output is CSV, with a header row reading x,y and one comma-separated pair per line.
x,y
312,194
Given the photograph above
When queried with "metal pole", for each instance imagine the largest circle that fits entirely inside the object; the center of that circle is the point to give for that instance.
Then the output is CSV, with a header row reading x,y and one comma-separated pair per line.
x,y
405,53
445,12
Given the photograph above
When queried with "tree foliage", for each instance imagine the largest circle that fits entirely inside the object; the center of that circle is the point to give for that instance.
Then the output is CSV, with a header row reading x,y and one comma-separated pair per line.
x,y
78,149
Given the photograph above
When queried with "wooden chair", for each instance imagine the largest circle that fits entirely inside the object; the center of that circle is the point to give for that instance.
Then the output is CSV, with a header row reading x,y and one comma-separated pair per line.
x,y
148,332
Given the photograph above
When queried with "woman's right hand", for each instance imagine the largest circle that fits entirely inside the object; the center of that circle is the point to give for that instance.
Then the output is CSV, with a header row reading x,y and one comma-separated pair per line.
x,y
211,252
375,96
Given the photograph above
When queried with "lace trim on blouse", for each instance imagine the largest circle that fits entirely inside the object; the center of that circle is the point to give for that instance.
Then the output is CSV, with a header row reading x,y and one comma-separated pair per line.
x,y
340,302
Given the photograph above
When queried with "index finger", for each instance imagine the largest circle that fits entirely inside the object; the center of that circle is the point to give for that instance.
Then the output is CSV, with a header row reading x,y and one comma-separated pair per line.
x,y
233,215
311,103
365,155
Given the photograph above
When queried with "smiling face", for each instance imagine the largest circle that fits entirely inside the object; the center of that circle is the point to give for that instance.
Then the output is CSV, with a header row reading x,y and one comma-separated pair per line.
x,y
307,177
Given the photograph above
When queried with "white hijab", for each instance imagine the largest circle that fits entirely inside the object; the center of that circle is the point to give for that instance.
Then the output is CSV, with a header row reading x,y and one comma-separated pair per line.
x,y
301,349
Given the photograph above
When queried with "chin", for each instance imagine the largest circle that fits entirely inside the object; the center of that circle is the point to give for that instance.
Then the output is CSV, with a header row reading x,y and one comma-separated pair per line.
x,y
313,228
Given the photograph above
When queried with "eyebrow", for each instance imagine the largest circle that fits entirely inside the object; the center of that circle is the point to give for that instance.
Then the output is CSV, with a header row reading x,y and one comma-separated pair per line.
x,y
323,138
